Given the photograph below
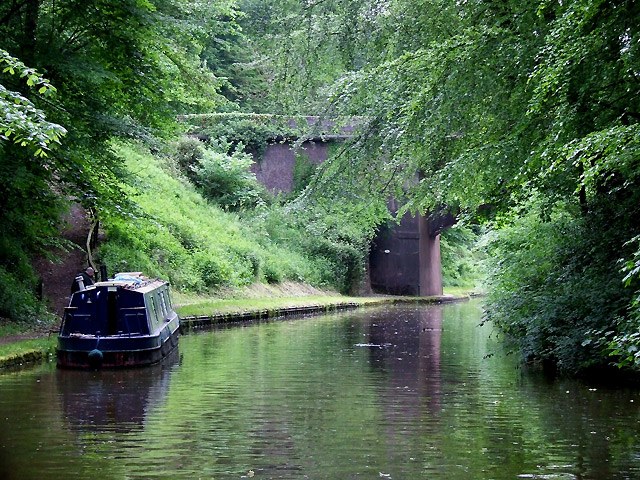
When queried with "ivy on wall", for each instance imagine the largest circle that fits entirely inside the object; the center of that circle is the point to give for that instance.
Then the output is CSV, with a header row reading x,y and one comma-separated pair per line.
x,y
255,132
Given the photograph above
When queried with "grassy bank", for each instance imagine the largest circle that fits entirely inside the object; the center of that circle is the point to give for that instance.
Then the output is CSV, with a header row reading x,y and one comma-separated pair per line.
x,y
288,295
174,231
26,351
255,297
230,306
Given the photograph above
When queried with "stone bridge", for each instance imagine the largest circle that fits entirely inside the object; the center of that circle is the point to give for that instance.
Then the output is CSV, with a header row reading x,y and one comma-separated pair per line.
x,y
405,258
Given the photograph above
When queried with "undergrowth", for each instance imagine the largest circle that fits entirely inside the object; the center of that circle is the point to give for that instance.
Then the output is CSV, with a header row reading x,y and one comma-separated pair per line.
x,y
173,232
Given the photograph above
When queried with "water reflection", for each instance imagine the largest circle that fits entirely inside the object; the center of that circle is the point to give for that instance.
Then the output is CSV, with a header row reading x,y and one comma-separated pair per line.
x,y
378,393
407,349
117,400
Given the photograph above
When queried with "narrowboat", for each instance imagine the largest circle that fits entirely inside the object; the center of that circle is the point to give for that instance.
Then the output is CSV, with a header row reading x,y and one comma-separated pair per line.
x,y
126,321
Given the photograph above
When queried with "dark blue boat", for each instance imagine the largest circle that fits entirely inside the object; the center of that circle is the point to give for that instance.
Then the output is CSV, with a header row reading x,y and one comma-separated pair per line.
x,y
124,322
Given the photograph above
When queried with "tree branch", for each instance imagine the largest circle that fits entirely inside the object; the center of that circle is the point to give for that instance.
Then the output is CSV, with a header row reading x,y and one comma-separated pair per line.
x,y
12,11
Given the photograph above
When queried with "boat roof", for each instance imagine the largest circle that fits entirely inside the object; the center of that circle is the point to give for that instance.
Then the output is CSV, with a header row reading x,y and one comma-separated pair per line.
x,y
132,280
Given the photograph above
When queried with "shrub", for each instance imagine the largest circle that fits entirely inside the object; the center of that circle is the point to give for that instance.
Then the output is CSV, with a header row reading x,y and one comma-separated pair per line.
x,y
214,270
227,179
343,265
461,260
223,175
188,154
272,271
623,341
18,300
554,287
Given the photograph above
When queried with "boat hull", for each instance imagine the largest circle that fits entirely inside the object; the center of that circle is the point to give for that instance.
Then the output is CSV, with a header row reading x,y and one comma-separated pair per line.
x,y
88,351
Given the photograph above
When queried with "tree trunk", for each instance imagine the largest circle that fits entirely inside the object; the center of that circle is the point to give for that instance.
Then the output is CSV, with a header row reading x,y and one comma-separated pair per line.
x,y
31,12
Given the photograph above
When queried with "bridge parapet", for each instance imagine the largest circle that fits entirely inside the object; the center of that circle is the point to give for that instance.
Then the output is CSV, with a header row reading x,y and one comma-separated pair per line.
x,y
285,126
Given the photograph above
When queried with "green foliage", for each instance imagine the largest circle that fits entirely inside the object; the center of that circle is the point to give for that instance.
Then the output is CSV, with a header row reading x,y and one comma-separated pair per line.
x,y
21,122
553,302
340,232
272,273
188,154
225,179
253,136
460,259
624,346
439,109
174,233
301,48
18,300
333,236
484,98
250,132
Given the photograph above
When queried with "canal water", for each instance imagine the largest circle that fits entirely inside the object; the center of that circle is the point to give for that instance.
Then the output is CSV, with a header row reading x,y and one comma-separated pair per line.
x,y
408,392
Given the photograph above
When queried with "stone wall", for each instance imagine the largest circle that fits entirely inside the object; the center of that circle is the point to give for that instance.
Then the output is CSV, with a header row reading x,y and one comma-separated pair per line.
x,y
275,169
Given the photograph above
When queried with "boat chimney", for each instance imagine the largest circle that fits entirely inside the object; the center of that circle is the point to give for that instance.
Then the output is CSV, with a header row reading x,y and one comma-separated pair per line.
x,y
80,282
103,272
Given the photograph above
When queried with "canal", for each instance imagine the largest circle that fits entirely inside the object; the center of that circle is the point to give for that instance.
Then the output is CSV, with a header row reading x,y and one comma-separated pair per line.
x,y
407,392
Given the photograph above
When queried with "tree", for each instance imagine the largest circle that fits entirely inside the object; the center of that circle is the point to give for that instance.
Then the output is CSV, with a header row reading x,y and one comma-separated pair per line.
x,y
300,48
496,103
21,121
23,128
121,69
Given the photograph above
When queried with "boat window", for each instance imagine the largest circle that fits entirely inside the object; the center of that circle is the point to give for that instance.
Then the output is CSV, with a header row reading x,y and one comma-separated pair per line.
x,y
163,303
154,311
169,306
155,304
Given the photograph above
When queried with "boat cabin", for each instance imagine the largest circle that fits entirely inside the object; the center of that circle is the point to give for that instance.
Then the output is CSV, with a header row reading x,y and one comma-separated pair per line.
x,y
126,305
